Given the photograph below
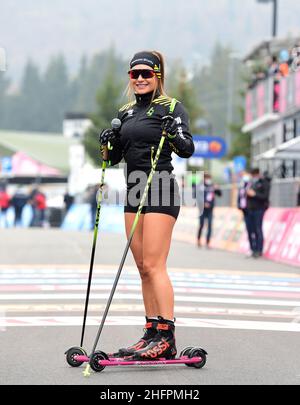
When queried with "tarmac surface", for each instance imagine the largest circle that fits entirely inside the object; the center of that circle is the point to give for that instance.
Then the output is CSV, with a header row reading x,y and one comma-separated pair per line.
x,y
244,312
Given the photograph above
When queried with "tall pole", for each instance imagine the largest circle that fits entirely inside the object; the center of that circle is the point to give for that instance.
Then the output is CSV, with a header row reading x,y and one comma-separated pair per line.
x,y
230,99
275,15
275,19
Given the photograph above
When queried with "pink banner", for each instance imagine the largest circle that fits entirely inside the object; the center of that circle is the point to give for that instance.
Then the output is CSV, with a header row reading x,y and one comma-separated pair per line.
x,y
224,225
260,100
283,95
297,93
278,221
23,165
249,117
276,99
281,232
290,249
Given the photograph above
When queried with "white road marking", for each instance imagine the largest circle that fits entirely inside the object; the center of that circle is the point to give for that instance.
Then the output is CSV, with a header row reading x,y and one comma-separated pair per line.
x,y
130,297
128,307
132,320
27,289
81,285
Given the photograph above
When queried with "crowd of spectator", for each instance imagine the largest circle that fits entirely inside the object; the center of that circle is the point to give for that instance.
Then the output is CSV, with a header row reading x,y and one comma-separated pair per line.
x,y
277,66
35,198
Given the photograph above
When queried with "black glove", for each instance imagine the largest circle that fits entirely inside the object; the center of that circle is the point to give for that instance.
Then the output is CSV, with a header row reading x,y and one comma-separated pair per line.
x,y
106,136
169,125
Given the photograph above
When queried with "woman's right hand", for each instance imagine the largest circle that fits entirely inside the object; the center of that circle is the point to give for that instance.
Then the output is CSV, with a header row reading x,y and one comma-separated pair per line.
x,y
106,136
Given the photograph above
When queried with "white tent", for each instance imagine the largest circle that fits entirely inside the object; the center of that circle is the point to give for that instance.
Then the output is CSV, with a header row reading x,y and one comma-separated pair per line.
x,y
289,150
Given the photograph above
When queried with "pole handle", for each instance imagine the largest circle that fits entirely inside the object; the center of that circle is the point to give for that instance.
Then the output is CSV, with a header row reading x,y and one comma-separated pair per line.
x,y
105,153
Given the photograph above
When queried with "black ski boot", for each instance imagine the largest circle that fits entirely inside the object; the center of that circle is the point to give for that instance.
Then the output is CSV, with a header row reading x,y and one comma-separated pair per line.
x,y
162,346
150,332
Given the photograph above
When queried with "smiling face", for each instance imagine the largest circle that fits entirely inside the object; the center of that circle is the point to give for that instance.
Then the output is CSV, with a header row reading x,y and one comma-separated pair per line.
x,y
141,85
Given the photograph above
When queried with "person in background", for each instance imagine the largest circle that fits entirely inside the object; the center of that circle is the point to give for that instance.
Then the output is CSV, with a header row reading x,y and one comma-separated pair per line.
x,y
273,69
209,191
258,194
4,204
284,69
243,206
194,183
39,205
18,202
268,179
34,210
68,201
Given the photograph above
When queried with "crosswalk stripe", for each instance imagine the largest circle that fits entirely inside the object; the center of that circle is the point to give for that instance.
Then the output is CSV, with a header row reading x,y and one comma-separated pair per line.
x,y
203,298
204,283
179,298
34,289
128,307
79,278
130,320
52,268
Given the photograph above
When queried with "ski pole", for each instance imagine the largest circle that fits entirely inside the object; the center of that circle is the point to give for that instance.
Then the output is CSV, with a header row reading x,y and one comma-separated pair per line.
x,y
86,372
116,125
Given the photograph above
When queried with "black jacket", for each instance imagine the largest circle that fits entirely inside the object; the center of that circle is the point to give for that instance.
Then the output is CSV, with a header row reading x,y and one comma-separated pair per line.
x,y
262,189
141,132
207,196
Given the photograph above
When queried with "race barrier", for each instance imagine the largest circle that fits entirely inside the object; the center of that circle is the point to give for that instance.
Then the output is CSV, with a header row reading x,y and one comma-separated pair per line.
x,y
79,218
281,231
281,228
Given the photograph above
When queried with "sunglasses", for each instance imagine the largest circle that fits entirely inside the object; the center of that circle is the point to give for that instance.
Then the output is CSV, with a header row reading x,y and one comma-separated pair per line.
x,y
145,73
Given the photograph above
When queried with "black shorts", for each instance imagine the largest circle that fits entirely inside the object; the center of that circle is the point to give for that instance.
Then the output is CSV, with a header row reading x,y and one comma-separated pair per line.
x,y
163,196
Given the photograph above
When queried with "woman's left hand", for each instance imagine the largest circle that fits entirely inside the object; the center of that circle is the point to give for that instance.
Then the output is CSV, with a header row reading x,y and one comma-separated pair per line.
x,y
169,125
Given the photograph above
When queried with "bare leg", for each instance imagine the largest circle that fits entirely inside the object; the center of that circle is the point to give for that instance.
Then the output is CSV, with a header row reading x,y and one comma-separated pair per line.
x,y
157,288
136,246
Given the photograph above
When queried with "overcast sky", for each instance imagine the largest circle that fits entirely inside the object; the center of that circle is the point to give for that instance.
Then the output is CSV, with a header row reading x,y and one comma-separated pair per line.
x,y
186,29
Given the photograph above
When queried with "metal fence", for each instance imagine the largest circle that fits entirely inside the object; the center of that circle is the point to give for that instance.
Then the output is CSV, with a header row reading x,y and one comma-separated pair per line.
x,y
284,193
228,196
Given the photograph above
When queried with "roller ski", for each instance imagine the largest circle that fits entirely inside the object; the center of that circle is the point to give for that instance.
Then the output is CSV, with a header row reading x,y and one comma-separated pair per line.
x,y
157,347
190,356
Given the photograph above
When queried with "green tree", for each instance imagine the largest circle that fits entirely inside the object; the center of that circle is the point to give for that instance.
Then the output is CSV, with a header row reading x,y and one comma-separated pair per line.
x,y
4,85
56,94
30,107
182,89
91,76
40,103
217,85
241,142
81,98
108,99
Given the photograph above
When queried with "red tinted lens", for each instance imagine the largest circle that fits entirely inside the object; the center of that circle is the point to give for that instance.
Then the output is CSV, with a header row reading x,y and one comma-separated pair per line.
x,y
145,73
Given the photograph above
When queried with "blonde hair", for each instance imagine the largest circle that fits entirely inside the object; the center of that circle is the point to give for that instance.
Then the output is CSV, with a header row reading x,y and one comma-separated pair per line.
x,y
160,83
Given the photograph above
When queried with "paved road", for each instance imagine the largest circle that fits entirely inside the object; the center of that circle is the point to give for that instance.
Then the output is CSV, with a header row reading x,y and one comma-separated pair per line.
x,y
245,313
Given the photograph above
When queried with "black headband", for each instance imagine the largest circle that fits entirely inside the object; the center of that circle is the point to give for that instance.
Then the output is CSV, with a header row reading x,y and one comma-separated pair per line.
x,y
146,58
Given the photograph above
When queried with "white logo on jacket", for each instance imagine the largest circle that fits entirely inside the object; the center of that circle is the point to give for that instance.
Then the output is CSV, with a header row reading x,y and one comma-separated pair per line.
x,y
180,132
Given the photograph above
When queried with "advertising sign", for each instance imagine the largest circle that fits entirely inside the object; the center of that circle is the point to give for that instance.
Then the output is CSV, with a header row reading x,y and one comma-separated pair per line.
x,y
6,165
209,147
